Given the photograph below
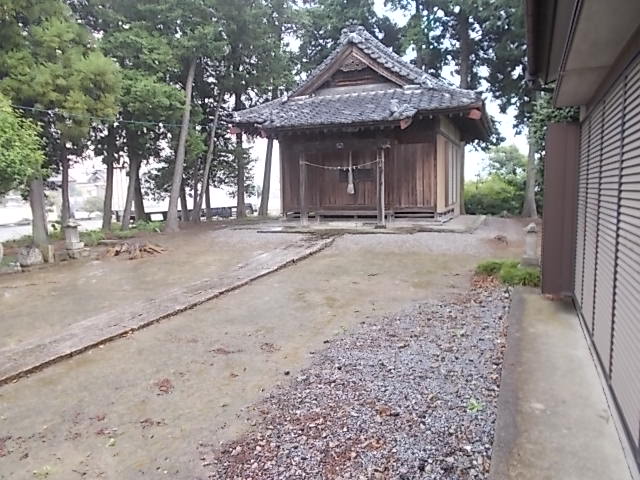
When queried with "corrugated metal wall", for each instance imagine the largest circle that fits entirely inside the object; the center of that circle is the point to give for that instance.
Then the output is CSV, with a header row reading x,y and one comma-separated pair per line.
x,y
607,267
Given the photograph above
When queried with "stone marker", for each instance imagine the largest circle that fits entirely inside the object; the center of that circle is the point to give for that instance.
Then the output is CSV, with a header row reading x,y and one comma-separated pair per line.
x,y
72,242
29,256
530,257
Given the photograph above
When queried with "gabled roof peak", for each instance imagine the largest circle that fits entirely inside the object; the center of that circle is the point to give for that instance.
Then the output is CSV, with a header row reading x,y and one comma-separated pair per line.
x,y
357,35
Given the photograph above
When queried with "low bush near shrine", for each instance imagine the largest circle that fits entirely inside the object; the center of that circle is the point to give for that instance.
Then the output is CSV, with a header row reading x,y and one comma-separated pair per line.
x,y
510,272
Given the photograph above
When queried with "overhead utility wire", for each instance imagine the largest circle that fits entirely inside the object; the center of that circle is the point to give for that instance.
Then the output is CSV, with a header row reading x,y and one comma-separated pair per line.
x,y
89,117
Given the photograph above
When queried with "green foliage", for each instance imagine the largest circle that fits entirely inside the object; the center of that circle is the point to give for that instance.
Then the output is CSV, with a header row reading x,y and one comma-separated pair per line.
x,y
506,64
523,276
502,190
323,20
474,406
507,162
544,113
492,196
49,60
510,272
154,227
491,268
91,238
21,153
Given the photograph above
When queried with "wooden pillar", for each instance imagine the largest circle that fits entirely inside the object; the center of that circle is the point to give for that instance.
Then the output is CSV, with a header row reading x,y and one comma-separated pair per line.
x,y
304,214
380,190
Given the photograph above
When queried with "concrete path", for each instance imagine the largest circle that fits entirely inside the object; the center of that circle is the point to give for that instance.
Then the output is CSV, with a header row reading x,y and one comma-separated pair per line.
x,y
99,329
553,419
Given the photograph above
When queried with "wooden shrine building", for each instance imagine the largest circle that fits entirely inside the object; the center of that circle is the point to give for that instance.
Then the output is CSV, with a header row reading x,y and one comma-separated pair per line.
x,y
369,134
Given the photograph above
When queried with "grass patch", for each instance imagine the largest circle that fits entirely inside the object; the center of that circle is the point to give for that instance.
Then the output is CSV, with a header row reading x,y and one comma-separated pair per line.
x,y
153,227
91,238
510,272
7,260
22,241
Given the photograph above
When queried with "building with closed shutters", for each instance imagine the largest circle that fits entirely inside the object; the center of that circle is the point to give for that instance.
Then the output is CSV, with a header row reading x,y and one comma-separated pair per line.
x,y
589,50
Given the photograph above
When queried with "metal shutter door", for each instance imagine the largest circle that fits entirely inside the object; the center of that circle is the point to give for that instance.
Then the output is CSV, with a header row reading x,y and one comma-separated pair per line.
x,y
625,372
581,211
591,217
607,222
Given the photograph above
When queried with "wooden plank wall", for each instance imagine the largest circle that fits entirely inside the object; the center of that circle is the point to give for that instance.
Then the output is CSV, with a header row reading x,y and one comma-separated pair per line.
x,y
409,177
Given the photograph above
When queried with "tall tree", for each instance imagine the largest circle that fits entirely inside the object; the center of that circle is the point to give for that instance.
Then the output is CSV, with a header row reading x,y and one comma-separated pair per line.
x,y
136,36
424,32
197,208
50,63
506,79
251,43
177,182
22,155
282,23
322,21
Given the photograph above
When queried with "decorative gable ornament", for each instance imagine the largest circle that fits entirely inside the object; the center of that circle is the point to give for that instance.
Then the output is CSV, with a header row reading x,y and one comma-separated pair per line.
x,y
353,64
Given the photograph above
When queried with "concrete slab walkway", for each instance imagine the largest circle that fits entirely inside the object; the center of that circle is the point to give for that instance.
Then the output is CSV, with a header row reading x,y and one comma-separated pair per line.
x,y
553,418
98,329
461,224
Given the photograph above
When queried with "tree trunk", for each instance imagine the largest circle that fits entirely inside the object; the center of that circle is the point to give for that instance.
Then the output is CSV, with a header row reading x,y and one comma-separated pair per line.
x,y
39,216
207,199
266,181
172,214
466,48
138,198
184,210
126,213
65,214
241,209
529,209
240,213
207,165
195,218
108,195
419,46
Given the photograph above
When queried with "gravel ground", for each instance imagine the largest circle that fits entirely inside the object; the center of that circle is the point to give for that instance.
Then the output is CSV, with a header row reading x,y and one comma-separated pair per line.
x,y
411,396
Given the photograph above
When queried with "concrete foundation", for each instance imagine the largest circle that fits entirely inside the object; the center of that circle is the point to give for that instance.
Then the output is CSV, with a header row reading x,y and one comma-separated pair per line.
x,y
554,421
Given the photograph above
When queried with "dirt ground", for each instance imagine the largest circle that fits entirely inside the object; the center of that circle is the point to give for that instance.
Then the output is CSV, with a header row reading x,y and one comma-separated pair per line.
x,y
140,406
44,301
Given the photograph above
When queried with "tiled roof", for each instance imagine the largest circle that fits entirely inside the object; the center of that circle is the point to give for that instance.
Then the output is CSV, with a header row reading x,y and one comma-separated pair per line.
x,y
383,105
380,53
361,105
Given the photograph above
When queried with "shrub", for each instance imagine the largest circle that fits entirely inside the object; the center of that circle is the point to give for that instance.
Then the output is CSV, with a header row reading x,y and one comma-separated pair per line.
x,y
510,272
148,226
493,196
91,238
489,268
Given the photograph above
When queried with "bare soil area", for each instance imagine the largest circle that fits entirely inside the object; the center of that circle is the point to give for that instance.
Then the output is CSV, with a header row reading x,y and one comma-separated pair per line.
x,y
145,406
